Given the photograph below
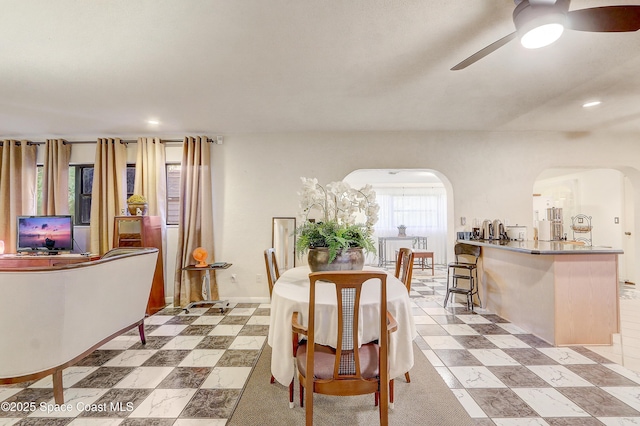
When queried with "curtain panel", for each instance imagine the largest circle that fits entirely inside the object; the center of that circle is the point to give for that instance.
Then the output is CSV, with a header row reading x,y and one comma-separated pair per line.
x,y
196,220
55,177
17,187
108,192
151,181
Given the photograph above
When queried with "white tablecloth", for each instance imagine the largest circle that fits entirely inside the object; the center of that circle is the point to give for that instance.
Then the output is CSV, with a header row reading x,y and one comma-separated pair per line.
x,y
291,294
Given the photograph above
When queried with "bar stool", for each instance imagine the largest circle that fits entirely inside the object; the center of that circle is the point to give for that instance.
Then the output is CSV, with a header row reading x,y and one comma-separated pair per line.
x,y
464,268
421,257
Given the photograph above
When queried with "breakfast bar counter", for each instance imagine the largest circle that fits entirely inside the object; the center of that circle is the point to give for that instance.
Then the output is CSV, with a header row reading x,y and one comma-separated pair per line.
x,y
564,293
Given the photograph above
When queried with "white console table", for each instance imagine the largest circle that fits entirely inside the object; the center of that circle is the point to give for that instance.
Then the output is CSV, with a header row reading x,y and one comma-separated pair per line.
x,y
416,243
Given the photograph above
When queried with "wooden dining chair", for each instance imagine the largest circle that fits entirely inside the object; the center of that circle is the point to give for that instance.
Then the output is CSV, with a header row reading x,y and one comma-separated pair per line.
x,y
404,272
273,274
404,267
350,368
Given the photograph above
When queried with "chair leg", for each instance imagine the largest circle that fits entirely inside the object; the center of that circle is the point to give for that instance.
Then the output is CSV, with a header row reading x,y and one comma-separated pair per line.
x,y
391,393
446,297
407,377
291,394
309,407
273,379
376,398
301,395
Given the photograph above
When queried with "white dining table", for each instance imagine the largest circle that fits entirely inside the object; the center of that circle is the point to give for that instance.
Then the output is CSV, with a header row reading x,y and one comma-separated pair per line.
x,y
291,294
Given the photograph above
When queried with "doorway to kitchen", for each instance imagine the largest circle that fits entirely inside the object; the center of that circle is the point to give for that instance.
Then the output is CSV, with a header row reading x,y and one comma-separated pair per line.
x,y
605,198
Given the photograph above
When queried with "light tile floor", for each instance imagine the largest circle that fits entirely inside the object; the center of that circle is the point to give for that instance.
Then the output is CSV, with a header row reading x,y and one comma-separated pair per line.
x,y
504,376
192,370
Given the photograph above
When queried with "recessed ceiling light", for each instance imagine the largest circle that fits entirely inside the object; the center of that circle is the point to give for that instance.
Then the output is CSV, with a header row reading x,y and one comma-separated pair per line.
x,y
591,104
153,122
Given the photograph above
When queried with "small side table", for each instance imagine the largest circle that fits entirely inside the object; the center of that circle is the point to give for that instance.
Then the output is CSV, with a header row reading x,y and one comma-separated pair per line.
x,y
422,256
206,285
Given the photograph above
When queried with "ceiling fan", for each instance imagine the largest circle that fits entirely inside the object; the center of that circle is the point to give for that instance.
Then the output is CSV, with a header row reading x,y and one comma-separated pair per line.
x,y
548,18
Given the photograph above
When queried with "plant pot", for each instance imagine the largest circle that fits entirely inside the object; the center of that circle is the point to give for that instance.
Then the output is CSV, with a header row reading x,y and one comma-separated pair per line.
x,y
346,260
133,208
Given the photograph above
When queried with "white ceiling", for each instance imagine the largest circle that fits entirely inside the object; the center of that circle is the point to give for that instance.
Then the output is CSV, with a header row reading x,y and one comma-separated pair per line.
x,y
85,69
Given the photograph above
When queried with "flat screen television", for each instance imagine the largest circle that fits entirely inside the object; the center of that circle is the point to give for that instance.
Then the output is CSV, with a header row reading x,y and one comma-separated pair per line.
x,y
50,234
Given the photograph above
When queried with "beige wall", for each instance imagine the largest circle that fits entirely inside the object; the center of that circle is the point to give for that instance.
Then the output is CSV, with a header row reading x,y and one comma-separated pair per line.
x,y
490,175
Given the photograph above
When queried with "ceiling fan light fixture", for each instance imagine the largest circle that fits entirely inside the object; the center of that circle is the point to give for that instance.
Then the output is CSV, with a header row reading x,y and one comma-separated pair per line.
x,y
540,24
542,35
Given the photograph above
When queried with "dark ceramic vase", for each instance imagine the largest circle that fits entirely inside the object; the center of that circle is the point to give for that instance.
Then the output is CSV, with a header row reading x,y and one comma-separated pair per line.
x,y
346,260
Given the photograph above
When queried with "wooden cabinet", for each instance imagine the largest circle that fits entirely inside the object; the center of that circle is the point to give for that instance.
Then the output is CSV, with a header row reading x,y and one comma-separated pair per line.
x,y
11,261
143,231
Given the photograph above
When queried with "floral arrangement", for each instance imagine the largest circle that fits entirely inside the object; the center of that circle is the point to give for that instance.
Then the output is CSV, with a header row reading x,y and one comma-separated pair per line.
x,y
137,199
339,206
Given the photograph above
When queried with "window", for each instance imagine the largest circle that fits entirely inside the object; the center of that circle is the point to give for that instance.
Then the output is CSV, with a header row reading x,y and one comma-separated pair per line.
x,y
173,194
81,183
40,190
83,187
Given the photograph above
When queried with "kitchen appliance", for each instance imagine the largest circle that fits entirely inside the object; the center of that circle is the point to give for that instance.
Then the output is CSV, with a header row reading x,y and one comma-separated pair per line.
x,y
554,216
475,235
487,230
498,230
517,233
544,230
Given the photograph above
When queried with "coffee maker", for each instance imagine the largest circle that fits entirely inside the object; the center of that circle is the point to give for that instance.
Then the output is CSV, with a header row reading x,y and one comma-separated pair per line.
x,y
487,230
499,232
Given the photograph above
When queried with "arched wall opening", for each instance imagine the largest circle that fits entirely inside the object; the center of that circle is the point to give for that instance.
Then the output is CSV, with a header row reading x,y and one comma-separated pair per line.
x,y
609,196
414,183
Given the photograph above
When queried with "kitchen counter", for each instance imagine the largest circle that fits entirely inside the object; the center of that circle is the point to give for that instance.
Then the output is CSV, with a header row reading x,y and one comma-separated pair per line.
x,y
564,293
543,247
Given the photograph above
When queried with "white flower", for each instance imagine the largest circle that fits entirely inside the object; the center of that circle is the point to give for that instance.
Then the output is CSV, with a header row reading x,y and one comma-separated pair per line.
x,y
339,202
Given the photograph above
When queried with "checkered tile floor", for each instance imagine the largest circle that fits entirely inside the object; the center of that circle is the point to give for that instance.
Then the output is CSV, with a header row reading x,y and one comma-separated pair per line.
x,y
503,376
190,373
192,370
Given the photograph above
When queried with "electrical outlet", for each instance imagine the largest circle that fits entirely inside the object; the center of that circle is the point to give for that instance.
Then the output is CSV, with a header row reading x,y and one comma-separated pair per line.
x,y
234,278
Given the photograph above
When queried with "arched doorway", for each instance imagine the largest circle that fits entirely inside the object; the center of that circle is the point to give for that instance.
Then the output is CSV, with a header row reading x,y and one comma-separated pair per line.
x,y
420,199
606,195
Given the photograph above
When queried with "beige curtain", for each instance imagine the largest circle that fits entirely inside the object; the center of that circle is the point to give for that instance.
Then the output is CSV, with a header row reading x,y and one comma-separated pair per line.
x,y
151,175
108,193
151,181
55,177
17,187
196,220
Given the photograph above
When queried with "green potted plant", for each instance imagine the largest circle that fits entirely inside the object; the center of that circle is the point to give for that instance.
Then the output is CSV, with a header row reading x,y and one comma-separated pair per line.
x,y
136,202
335,240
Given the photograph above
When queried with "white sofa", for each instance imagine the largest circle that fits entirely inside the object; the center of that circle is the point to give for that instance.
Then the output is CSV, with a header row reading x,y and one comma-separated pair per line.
x,y
52,317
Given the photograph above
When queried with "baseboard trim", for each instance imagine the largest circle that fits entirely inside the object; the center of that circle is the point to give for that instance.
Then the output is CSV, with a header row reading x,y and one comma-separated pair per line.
x,y
169,300
247,299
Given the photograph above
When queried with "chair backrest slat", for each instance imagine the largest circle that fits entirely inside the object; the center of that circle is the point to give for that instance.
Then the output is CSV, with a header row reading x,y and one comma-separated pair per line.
x,y
348,287
273,273
467,252
404,267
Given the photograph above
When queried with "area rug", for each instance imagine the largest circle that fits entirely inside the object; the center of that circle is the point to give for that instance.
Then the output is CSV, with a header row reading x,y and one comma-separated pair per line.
x,y
425,401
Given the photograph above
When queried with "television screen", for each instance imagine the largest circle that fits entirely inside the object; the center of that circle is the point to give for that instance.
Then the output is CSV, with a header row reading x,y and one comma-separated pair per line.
x,y
45,233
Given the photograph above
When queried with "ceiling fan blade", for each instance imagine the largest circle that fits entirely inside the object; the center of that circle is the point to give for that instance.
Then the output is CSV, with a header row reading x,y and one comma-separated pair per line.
x,y
484,52
607,19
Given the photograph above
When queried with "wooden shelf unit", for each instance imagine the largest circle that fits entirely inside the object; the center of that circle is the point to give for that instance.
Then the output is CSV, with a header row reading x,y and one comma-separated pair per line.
x,y
144,231
11,261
